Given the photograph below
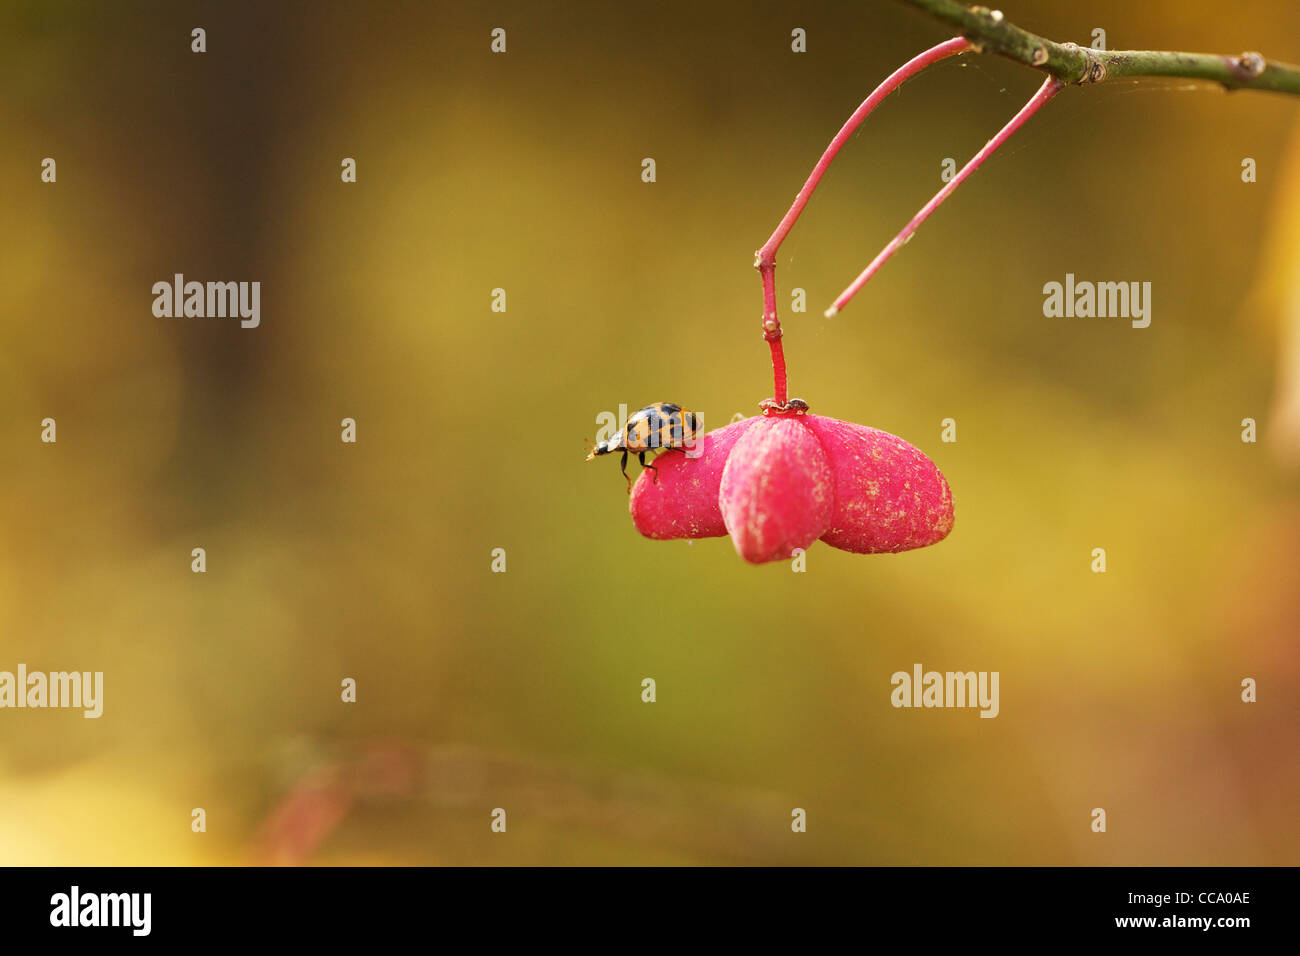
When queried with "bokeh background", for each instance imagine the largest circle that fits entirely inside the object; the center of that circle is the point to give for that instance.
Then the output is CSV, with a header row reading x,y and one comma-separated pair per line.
x,y
522,690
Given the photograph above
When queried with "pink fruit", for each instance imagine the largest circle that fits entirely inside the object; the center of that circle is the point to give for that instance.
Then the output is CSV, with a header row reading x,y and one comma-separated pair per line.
x,y
783,481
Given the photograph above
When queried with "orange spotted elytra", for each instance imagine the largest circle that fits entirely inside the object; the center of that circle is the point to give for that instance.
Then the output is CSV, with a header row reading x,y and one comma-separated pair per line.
x,y
661,425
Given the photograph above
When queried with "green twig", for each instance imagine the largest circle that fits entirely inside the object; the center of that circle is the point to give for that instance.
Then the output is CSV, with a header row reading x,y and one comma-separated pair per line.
x,y
991,32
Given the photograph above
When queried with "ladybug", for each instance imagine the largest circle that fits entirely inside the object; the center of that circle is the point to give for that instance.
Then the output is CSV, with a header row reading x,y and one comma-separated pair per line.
x,y
661,425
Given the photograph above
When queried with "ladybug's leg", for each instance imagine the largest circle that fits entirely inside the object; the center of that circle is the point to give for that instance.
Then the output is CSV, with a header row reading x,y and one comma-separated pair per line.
x,y
651,467
625,474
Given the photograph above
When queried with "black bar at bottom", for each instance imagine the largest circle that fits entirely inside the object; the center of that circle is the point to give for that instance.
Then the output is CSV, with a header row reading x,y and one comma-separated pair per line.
x,y
327,906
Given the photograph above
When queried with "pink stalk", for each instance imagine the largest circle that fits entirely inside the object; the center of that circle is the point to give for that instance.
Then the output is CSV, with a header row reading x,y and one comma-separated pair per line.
x,y
765,258
1051,86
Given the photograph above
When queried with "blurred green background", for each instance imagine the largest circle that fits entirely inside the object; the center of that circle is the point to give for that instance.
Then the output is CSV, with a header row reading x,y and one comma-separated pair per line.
x,y
522,690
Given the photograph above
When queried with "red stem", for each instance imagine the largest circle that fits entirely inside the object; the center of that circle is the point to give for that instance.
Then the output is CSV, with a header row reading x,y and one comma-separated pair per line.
x,y
1051,86
765,258
772,332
